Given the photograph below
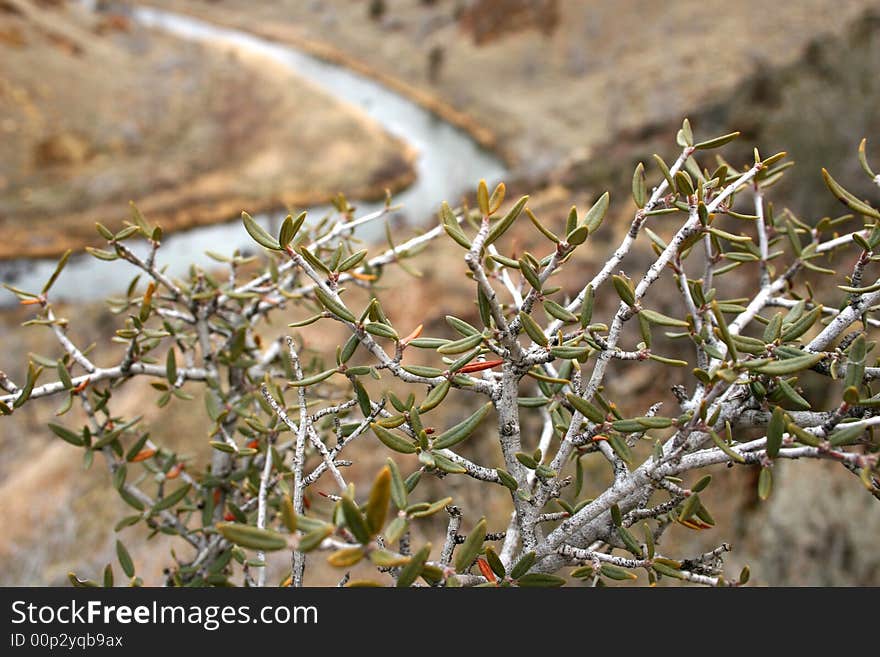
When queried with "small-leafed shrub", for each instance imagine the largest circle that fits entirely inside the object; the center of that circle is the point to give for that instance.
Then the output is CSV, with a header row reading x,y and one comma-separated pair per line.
x,y
785,369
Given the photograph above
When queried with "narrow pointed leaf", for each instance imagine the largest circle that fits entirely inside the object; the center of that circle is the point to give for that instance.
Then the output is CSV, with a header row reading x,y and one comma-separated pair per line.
x,y
468,551
252,537
462,430
258,233
392,440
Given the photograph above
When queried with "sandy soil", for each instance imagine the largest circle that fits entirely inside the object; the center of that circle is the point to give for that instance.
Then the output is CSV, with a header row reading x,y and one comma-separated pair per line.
x,y
605,68
96,112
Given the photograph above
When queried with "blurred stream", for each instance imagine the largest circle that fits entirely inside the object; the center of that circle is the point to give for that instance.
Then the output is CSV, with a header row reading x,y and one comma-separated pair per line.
x,y
449,162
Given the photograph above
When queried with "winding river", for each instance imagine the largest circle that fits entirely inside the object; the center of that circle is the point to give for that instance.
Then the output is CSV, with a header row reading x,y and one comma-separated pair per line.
x,y
449,162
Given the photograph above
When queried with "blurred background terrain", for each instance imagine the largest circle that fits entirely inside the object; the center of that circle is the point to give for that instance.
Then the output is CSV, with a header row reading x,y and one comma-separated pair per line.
x,y
96,110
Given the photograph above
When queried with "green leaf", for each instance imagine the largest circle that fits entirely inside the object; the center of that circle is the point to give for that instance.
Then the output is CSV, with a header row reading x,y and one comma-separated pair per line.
x,y
398,488
288,513
803,436
381,330
495,562
423,371
863,159
355,520
724,447
623,289
578,236
621,448
527,460
765,483
595,215
108,576
559,312
101,254
663,320
667,570
790,365
685,136
530,326
346,557
507,221
483,198
665,171
76,582
860,290
773,330
252,537
542,228
352,261
377,505
462,430
775,429
435,396
568,353
585,408
314,538
431,509
849,200
845,435
447,464
803,324
522,566
616,515
58,269
258,233
616,573
506,479
171,499
392,440
411,571
497,198
452,228
630,542
104,232
222,446
63,374
540,580
461,326
289,228
586,314
468,551
386,559
683,183
313,379
460,346
334,306
628,426
529,274
313,260
654,421
306,322
702,484
26,390
124,559
572,221
716,142
67,435
690,506
639,186
171,367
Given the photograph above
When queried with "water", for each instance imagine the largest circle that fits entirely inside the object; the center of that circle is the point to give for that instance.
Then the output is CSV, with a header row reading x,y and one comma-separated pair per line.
x,y
449,162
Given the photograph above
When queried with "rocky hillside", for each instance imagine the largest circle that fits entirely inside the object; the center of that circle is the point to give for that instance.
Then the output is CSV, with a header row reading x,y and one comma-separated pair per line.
x,y
97,112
